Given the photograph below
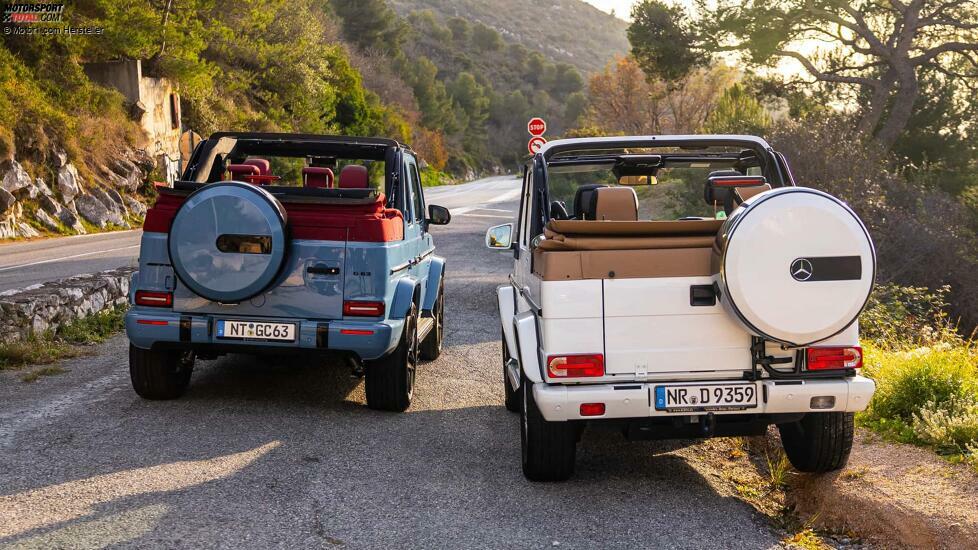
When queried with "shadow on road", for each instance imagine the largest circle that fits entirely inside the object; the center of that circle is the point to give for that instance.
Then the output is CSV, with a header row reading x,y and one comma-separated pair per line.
x,y
257,437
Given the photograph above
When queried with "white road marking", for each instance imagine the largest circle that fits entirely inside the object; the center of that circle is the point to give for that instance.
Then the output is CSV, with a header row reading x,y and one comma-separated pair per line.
x,y
497,210
509,195
466,214
68,257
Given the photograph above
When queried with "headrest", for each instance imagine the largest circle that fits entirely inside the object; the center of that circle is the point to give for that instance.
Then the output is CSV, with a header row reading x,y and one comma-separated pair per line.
x,y
744,193
314,176
615,204
582,200
354,176
242,170
264,167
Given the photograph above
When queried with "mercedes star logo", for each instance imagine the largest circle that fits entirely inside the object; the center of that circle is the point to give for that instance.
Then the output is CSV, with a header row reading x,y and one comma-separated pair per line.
x,y
801,269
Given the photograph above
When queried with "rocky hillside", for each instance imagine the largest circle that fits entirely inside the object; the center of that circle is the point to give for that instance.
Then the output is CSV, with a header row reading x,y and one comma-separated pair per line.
x,y
67,204
570,31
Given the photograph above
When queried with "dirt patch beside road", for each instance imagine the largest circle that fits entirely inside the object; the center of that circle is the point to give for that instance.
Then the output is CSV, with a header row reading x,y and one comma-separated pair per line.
x,y
895,495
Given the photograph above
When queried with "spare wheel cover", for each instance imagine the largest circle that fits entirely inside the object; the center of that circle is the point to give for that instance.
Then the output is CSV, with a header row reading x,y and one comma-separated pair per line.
x,y
797,265
228,241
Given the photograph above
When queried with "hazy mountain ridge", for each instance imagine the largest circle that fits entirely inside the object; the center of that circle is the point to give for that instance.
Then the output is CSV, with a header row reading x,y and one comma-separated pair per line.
x,y
564,30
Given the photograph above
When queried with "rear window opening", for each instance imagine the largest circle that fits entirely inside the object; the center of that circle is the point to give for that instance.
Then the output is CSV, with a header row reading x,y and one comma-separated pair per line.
x,y
295,166
669,183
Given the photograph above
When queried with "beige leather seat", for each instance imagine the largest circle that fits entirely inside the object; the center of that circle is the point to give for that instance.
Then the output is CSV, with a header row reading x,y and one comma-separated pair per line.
x,y
614,204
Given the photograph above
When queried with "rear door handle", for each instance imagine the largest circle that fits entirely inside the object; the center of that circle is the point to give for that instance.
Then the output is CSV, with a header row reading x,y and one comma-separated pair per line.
x,y
702,295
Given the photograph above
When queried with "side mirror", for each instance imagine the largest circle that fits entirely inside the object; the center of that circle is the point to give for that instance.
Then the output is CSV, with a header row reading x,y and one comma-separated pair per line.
x,y
438,215
500,237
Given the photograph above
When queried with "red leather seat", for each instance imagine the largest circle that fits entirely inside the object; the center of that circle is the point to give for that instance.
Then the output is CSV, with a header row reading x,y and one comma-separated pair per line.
x,y
354,176
314,176
264,167
240,171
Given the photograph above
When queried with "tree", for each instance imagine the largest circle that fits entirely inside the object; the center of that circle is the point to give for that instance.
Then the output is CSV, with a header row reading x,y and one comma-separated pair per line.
x,y
876,48
566,80
737,112
661,40
371,24
620,100
486,38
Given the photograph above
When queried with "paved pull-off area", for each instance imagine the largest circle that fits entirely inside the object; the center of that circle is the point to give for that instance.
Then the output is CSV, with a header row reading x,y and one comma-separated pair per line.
x,y
269,452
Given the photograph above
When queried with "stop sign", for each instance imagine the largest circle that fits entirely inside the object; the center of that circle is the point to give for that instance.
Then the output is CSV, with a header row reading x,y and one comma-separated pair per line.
x,y
535,143
537,126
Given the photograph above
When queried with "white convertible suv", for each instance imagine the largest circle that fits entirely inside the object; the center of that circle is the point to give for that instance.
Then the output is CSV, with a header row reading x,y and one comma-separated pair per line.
x,y
681,287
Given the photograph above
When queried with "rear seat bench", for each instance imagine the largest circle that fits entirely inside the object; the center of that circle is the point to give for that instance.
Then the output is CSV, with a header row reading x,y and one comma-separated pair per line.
x,y
622,249
614,244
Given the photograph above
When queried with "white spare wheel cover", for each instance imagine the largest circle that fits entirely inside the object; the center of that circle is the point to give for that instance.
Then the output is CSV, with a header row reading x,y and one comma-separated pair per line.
x,y
796,265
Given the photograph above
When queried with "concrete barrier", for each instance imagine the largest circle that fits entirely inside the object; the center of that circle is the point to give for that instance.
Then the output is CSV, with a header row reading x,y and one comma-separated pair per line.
x,y
39,308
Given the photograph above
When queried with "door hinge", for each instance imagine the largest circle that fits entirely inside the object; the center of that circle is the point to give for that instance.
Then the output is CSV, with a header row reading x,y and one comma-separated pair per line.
x,y
641,371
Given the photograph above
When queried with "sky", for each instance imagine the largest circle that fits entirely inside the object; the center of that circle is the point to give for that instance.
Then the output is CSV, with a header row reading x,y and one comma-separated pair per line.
x,y
622,7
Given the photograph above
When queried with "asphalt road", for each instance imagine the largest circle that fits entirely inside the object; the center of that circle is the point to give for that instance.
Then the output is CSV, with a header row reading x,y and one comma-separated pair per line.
x,y
283,454
28,263
31,262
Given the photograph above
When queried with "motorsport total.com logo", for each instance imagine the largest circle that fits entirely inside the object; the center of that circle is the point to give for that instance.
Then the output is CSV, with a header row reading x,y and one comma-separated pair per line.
x,y
34,13
40,18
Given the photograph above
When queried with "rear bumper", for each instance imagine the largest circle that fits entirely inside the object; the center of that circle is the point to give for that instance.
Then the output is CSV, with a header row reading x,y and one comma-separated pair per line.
x,y
149,329
559,402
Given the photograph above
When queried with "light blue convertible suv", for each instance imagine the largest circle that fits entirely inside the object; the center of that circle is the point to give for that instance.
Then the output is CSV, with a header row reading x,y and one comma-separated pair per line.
x,y
286,243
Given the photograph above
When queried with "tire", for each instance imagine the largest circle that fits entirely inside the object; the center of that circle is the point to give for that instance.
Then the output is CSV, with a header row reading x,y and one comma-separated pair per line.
x,y
160,375
819,442
514,399
390,380
549,448
431,346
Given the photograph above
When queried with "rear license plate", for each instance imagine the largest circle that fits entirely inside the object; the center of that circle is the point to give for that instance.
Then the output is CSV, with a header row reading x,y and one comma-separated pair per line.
x,y
705,397
252,330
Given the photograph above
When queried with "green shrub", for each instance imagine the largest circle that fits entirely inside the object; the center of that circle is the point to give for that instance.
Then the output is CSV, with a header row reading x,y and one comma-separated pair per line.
x,y
94,328
907,381
951,426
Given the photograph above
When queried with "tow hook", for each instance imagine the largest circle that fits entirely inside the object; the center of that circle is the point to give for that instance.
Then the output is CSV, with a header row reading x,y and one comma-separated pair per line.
x,y
709,424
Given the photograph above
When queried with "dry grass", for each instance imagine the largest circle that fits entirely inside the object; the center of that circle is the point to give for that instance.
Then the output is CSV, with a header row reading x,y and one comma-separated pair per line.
x,y
43,371
69,340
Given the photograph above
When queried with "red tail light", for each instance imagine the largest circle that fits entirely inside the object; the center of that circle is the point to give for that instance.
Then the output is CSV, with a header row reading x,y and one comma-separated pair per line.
x,y
737,181
363,309
592,409
835,358
153,298
575,366
356,332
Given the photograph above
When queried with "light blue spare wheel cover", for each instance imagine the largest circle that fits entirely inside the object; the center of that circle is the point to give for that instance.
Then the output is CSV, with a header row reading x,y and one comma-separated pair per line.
x,y
228,241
